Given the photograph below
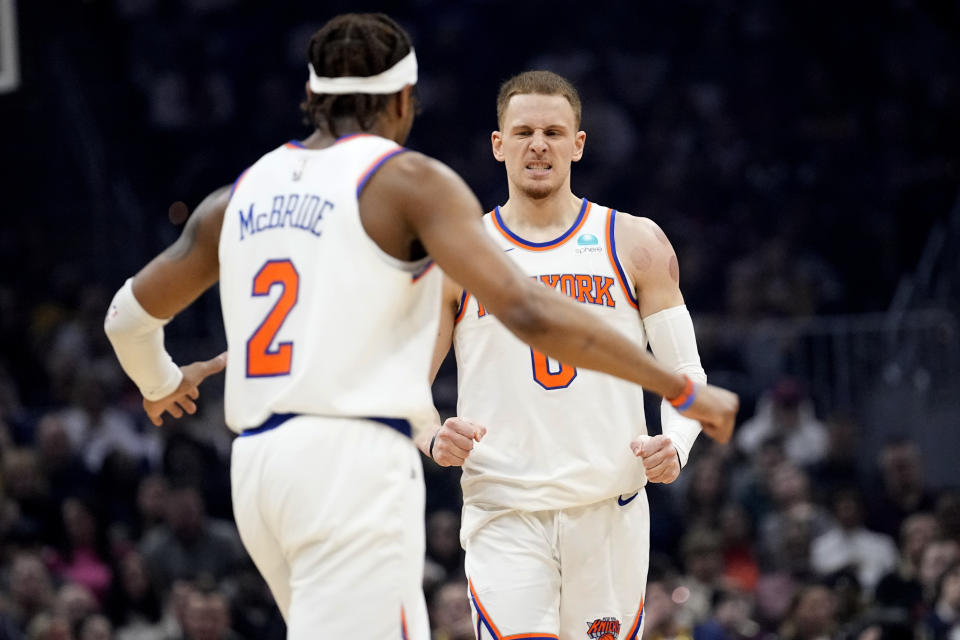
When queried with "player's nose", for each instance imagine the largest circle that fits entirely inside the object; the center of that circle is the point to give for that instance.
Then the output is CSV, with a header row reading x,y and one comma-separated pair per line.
x,y
538,141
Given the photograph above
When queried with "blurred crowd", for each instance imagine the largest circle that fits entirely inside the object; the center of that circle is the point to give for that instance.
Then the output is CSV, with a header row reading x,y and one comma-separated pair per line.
x,y
788,532
111,528
796,154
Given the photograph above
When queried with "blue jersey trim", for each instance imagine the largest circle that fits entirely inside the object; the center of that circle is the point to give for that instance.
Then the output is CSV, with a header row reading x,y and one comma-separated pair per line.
x,y
549,243
372,170
616,260
237,181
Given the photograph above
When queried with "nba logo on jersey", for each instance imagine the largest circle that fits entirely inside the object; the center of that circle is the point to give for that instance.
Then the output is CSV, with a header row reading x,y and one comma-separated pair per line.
x,y
604,629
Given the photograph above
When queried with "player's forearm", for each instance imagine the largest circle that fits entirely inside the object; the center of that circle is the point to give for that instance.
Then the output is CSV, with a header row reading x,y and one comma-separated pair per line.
x,y
674,343
137,339
566,331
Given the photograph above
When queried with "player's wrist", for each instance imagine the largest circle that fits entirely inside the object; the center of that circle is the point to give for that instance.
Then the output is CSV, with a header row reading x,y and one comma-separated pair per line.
x,y
686,398
433,441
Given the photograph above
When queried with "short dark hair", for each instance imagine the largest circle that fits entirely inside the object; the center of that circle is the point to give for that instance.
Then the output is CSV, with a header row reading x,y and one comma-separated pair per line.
x,y
353,44
546,83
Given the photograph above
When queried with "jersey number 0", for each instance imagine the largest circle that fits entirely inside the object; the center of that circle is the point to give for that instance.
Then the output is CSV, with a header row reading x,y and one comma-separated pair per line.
x,y
261,361
548,378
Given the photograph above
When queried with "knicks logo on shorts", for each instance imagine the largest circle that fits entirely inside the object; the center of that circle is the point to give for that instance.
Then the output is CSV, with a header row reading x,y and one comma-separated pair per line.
x,y
604,629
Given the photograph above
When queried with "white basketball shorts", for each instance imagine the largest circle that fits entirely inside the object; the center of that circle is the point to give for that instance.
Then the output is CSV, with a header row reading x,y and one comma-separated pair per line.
x,y
332,512
572,574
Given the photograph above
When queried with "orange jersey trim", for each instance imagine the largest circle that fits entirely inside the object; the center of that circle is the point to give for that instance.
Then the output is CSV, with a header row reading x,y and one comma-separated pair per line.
x,y
462,311
351,136
501,226
615,261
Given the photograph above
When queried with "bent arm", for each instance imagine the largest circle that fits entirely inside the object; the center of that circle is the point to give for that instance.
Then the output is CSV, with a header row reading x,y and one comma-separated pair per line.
x,y
445,215
145,303
448,311
191,265
652,263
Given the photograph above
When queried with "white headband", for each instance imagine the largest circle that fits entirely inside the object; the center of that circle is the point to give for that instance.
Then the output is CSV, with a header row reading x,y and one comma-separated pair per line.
x,y
390,81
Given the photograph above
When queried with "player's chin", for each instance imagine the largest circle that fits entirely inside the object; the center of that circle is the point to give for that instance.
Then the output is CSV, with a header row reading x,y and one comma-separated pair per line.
x,y
538,190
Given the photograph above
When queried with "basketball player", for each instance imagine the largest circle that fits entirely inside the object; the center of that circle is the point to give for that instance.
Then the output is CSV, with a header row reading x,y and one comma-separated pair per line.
x,y
323,252
555,517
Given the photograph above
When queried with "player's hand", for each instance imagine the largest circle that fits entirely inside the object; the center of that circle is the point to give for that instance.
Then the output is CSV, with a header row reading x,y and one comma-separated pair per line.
x,y
454,441
659,457
716,410
182,400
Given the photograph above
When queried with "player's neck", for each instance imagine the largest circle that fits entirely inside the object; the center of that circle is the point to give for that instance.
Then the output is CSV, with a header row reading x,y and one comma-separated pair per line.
x,y
324,137
546,216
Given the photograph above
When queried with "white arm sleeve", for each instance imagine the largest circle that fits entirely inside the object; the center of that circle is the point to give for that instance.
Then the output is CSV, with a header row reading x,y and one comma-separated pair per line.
x,y
137,339
671,337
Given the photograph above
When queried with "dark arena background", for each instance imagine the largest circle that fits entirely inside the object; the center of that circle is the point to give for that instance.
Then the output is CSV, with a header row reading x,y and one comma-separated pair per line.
x,y
803,157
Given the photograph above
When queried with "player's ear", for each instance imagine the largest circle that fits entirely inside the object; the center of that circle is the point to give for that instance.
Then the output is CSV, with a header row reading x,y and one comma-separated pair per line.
x,y
578,142
405,101
496,143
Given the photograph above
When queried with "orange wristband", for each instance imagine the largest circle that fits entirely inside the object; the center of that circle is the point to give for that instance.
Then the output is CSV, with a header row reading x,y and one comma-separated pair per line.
x,y
683,401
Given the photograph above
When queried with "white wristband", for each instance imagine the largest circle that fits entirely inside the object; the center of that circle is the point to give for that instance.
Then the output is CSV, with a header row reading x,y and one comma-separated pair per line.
x,y
671,337
137,339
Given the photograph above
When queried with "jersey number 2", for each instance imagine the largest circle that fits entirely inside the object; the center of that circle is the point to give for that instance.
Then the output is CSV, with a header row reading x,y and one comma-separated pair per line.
x,y
559,379
261,361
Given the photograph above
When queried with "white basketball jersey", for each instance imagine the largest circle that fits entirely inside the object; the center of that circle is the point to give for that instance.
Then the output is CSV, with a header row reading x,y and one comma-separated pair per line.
x,y
557,436
319,320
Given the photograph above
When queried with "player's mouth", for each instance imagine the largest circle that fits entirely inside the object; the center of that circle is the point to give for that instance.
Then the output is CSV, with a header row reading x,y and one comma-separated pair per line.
x,y
537,169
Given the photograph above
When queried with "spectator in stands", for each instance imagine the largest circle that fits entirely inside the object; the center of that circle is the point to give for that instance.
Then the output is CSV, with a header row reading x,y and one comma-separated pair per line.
x,y
840,467
95,627
752,487
811,615
443,542
785,411
706,492
134,604
97,428
739,555
58,461
731,619
30,589
901,588
190,544
661,620
207,616
943,621
37,516
936,558
901,491
787,568
702,550
848,544
450,614
790,490
74,602
82,557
